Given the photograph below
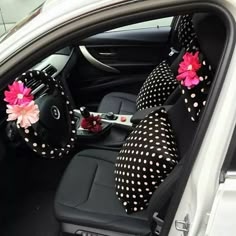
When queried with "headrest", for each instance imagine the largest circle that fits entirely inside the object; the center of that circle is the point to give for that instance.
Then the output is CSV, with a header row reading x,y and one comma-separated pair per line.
x,y
201,58
211,34
185,31
195,77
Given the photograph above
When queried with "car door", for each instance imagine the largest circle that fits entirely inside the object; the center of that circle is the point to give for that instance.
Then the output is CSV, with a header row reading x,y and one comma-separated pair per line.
x,y
118,60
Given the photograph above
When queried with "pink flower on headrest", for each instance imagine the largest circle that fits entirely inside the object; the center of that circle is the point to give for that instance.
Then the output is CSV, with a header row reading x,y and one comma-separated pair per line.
x,y
188,70
18,94
25,114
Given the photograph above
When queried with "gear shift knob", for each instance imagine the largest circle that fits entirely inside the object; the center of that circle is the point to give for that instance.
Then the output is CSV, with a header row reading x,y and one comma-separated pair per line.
x,y
84,112
110,116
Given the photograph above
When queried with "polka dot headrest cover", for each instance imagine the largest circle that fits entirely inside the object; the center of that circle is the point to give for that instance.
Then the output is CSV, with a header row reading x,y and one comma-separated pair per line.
x,y
195,77
185,31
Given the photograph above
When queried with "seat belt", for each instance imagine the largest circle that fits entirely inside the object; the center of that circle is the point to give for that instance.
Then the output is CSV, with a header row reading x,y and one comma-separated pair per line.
x,y
174,49
158,224
166,191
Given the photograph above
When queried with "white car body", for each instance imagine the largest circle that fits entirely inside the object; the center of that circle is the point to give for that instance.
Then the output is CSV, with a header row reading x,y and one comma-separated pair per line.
x,y
47,20
210,206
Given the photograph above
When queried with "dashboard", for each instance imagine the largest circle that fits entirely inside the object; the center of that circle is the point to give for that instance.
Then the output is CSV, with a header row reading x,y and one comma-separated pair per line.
x,y
53,65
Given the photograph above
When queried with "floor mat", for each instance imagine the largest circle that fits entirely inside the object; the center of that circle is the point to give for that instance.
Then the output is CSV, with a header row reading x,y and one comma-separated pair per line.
x,y
32,216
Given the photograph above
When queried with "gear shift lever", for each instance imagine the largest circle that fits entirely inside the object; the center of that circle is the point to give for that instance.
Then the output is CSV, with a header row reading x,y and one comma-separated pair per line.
x,y
84,112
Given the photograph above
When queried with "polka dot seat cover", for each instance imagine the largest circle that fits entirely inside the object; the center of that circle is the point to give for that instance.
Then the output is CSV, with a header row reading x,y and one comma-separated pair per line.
x,y
157,88
145,160
150,152
195,98
186,32
30,136
161,82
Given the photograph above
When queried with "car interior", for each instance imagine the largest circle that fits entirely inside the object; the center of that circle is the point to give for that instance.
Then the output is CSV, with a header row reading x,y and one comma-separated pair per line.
x,y
58,178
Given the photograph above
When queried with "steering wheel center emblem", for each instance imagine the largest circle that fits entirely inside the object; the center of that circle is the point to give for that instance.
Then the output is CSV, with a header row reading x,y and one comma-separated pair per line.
x,y
55,112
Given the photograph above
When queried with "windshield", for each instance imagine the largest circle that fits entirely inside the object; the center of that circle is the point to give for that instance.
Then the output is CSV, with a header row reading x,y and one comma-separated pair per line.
x,y
21,23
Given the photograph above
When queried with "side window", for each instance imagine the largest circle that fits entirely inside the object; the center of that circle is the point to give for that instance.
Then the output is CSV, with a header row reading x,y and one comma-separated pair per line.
x,y
163,22
5,27
10,15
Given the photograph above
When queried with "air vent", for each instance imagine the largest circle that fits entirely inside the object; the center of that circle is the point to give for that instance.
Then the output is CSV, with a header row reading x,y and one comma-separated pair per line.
x,y
50,70
38,88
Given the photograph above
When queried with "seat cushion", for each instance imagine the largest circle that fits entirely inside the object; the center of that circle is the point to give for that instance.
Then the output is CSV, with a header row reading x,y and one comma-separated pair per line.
x,y
159,85
86,195
145,160
118,103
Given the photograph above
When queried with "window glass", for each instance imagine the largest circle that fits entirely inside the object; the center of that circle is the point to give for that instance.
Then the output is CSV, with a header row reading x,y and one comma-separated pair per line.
x,y
23,22
147,24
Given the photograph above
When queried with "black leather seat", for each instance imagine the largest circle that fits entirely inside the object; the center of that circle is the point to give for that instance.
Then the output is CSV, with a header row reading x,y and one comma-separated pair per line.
x,y
94,203
118,103
86,200
86,196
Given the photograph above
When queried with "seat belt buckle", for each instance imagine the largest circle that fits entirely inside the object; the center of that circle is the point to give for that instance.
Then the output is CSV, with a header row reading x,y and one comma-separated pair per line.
x,y
173,51
159,223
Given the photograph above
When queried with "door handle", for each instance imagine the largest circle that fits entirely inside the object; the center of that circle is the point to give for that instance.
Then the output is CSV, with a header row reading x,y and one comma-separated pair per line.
x,y
107,54
96,62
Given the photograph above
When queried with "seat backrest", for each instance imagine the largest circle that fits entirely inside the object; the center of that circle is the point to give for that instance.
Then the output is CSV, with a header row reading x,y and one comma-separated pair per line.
x,y
212,42
162,139
161,83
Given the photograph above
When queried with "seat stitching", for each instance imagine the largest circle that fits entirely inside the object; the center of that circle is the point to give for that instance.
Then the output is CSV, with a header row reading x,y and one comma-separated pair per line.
x,y
129,100
127,111
119,107
90,188
99,159
107,186
105,214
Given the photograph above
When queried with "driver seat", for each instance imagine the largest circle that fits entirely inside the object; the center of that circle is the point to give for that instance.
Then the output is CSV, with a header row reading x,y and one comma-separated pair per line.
x,y
86,202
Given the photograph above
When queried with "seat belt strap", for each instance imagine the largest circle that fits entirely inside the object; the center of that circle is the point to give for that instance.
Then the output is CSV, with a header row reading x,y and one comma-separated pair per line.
x,y
173,51
158,224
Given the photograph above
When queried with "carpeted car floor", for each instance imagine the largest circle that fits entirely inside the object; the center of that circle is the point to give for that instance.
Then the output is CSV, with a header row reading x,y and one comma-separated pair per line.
x,y
28,185
32,216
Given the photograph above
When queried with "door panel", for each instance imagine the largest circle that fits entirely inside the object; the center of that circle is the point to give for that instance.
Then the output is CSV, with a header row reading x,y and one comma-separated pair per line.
x,y
116,61
132,49
148,36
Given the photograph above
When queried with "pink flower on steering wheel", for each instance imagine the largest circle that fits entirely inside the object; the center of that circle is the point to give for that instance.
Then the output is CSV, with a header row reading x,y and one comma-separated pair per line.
x,y
18,94
188,70
25,115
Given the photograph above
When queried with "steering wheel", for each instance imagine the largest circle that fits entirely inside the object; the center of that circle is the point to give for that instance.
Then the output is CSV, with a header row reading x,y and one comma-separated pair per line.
x,y
54,135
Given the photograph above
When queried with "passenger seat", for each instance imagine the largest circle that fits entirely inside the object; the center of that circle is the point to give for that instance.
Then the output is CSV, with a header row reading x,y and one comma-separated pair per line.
x,y
160,88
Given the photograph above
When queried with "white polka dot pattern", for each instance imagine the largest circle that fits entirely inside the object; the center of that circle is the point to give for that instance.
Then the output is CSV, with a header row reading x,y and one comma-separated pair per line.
x,y
161,82
31,137
157,88
185,31
195,98
145,160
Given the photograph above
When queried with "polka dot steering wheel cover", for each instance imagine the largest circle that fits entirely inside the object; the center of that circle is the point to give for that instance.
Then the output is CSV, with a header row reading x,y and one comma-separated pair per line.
x,y
31,136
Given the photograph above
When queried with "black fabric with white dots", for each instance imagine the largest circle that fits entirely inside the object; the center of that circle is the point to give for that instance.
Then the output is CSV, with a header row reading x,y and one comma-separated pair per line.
x,y
185,31
161,82
145,160
157,88
30,136
195,98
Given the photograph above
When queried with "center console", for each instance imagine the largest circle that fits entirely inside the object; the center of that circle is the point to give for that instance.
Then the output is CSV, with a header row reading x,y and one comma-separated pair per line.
x,y
115,129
